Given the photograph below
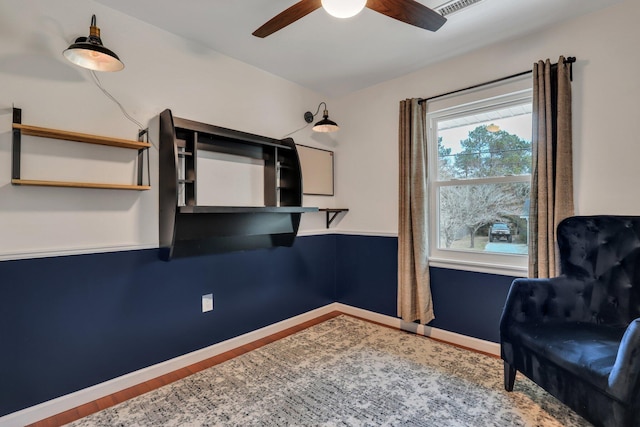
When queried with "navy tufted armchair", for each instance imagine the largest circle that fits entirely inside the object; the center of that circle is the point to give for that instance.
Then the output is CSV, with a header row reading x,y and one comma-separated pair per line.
x,y
578,335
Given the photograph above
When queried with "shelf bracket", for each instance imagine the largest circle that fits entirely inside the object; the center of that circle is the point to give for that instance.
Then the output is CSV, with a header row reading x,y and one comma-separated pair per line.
x,y
143,136
332,214
16,145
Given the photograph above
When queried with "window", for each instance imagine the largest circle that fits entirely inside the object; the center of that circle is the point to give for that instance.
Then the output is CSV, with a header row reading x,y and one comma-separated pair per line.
x,y
479,179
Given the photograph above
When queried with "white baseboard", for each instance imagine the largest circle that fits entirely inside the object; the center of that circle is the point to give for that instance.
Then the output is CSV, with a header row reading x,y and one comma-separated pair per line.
x,y
72,400
440,334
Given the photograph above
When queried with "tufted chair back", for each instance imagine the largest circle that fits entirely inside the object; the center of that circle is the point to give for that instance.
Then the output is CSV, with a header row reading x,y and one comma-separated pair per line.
x,y
600,262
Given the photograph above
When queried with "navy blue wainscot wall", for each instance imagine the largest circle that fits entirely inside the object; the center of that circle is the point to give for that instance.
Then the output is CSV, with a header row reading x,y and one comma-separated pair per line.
x,y
367,272
67,323
469,303
464,302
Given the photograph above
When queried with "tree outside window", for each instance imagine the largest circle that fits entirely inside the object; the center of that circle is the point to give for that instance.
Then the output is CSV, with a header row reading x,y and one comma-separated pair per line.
x,y
482,181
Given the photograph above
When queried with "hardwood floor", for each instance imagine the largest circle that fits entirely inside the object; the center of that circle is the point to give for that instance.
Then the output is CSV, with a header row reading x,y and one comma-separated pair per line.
x,y
137,390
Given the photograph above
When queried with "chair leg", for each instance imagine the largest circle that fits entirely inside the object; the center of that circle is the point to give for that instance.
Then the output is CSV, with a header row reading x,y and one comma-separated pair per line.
x,y
509,376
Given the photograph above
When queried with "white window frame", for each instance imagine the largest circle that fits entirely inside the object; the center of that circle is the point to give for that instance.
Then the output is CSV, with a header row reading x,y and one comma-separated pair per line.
x,y
485,262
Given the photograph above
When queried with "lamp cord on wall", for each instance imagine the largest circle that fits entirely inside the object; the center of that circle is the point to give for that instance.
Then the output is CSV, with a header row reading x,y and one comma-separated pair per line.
x,y
96,80
315,114
297,130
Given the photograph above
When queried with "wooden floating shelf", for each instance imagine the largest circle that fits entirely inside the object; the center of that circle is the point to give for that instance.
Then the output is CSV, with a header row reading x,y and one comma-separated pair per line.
x,y
20,129
79,137
79,184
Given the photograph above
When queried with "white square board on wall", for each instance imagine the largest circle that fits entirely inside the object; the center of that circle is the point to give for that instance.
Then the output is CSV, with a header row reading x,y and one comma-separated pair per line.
x,y
317,170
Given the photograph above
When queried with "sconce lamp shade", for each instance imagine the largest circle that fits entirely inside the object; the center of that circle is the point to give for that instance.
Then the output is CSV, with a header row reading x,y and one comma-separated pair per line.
x,y
89,52
325,125
493,128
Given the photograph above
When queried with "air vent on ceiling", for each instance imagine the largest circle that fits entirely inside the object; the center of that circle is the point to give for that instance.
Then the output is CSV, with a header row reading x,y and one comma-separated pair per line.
x,y
454,6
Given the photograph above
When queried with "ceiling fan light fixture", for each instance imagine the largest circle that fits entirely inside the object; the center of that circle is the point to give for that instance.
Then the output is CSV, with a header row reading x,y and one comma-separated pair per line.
x,y
343,8
410,12
89,52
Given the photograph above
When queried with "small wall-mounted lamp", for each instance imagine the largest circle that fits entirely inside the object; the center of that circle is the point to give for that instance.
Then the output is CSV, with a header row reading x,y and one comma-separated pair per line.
x,y
88,52
493,128
324,125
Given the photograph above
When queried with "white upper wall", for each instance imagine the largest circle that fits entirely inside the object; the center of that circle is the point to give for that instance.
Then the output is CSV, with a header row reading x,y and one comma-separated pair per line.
x,y
166,71
606,90
161,71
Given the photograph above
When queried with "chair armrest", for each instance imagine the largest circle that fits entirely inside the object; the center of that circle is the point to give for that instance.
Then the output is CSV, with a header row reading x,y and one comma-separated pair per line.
x,y
625,374
559,299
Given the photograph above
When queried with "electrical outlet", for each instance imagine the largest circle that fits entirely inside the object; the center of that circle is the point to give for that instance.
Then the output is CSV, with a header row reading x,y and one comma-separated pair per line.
x,y
207,303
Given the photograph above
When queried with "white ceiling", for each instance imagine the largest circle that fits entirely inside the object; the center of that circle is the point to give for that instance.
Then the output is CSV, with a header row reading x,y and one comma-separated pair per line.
x,y
335,56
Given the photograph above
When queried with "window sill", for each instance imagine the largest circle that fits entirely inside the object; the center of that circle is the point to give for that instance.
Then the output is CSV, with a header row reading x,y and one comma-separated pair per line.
x,y
478,267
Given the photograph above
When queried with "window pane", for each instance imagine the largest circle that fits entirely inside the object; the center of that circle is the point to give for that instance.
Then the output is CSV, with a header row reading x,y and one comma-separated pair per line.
x,y
488,144
484,218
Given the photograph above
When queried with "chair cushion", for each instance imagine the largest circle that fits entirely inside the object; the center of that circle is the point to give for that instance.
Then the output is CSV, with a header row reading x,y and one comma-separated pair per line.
x,y
586,350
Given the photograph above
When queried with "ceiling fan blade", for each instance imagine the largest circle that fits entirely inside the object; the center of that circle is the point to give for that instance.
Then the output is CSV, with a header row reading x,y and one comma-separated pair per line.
x,y
410,12
289,16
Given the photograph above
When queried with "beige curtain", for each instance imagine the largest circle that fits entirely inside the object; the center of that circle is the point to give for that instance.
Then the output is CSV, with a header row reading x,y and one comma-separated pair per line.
x,y
414,291
552,177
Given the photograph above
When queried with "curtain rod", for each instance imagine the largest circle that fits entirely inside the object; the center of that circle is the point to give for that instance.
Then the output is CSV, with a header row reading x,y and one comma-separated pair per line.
x,y
570,60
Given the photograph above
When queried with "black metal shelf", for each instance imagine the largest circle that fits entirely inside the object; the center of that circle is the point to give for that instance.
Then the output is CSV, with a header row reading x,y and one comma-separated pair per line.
x,y
245,209
225,134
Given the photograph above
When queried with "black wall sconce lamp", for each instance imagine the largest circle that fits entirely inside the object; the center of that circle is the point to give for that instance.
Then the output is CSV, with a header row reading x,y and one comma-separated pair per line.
x,y
88,52
324,125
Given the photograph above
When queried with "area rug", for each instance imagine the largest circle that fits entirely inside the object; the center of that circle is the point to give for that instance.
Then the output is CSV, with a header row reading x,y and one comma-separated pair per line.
x,y
345,372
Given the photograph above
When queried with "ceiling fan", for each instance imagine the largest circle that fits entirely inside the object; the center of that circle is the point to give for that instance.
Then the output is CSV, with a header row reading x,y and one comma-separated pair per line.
x,y
408,11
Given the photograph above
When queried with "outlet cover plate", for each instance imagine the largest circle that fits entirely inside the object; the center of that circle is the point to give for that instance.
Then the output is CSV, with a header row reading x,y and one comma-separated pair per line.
x,y
207,303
